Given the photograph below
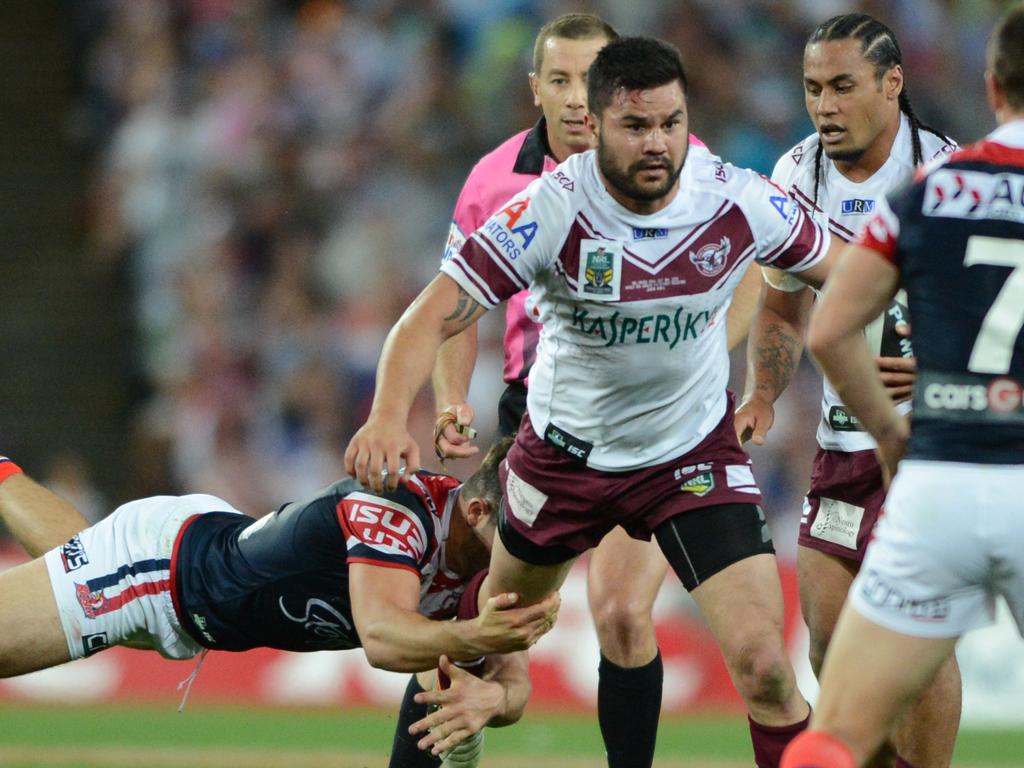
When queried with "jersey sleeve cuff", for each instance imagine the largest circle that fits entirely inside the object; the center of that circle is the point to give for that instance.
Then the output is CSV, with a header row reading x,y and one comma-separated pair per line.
x,y
782,281
385,564
470,281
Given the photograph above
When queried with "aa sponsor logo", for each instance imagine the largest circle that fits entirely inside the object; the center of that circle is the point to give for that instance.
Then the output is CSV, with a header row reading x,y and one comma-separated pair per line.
x,y
72,555
785,206
454,244
505,231
963,194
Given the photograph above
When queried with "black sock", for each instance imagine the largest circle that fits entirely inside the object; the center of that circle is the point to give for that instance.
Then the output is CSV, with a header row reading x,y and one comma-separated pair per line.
x,y
404,752
628,708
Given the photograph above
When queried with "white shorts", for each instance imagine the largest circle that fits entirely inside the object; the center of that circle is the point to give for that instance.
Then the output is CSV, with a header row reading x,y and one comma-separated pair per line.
x,y
112,582
950,541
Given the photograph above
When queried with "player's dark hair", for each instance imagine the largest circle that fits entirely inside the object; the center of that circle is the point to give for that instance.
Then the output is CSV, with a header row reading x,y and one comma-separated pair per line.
x,y
632,63
879,46
571,26
1006,56
484,483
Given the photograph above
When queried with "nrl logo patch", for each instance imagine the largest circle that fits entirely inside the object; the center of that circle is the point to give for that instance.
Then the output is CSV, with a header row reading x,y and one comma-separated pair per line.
x,y
699,485
710,260
600,273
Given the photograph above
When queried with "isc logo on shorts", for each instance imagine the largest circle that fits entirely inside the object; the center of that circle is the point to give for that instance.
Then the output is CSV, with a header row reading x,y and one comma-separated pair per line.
x,y
94,643
72,555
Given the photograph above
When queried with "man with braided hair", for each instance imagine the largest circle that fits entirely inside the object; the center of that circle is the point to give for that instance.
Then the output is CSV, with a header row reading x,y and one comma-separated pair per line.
x,y
868,141
952,541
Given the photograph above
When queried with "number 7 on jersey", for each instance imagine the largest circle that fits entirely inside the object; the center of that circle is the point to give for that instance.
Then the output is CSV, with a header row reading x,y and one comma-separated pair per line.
x,y
993,349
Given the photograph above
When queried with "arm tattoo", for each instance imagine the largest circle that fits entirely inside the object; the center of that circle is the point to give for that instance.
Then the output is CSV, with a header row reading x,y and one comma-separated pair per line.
x,y
777,357
465,309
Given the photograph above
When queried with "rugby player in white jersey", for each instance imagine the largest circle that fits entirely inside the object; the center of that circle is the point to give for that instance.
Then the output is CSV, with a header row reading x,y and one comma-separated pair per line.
x,y
867,143
623,574
952,539
629,420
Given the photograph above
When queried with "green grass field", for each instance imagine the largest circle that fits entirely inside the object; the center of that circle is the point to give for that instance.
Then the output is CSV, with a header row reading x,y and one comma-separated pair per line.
x,y
155,736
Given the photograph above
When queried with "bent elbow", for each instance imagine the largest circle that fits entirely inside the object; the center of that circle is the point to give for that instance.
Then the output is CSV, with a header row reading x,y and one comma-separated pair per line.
x,y
382,654
819,339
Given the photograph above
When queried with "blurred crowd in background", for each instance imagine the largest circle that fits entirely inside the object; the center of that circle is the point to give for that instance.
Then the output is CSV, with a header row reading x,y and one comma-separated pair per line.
x,y
275,179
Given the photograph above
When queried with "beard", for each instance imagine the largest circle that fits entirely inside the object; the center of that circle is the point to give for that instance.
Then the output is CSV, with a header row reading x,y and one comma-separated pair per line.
x,y
624,180
851,155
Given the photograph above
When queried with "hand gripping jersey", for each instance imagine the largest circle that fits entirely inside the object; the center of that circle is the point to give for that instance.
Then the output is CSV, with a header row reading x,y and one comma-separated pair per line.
x,y
845,206
282,581
632,364
957,237
498,176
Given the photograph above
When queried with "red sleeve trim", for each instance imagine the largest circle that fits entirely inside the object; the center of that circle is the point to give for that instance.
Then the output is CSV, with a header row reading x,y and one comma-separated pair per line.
x,y
990,152
384,564
886,248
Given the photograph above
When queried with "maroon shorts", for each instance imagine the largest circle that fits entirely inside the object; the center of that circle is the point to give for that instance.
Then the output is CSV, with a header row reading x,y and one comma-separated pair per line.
x,y
843,504
556,507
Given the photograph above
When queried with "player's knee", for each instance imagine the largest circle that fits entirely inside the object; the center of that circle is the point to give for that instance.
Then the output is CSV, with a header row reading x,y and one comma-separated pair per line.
x,y
622,623
764,676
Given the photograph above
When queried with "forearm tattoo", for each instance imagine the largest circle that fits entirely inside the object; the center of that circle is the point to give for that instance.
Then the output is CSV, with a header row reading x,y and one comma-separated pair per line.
x,y
465,309
778,354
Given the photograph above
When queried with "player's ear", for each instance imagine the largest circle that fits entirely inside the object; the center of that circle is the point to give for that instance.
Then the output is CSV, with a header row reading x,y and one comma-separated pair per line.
x,y
593,123
535,88
477,511
894,82
994,92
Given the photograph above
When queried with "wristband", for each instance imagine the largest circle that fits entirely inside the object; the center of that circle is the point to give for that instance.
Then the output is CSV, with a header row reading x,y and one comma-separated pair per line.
x,y
8,468
443,421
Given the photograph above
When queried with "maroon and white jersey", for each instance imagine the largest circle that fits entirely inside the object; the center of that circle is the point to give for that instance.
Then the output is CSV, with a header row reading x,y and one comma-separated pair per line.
x,y
632,363
845,206
499,175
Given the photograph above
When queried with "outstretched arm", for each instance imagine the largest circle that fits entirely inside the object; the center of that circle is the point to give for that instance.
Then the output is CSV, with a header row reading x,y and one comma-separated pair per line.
x,y
397,637
442,310
38,518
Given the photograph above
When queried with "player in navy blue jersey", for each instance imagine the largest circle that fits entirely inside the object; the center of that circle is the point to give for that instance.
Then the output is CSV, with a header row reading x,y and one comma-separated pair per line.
x,y
341,569
951,540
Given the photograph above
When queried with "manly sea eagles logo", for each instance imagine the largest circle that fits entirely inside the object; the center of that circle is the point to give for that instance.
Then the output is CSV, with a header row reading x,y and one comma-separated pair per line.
x,y
710,259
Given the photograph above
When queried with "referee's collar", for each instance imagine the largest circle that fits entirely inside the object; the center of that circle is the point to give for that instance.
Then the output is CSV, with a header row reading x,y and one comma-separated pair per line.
x,y
535,148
